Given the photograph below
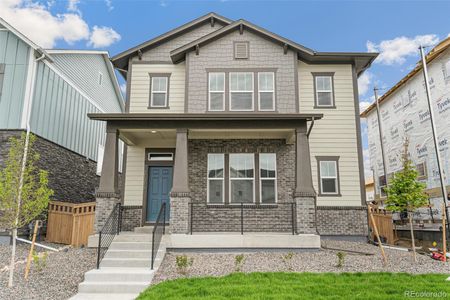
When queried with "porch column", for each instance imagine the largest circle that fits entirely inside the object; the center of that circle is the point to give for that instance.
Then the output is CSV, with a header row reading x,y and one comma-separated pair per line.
x,y
108,194
304,195
180,195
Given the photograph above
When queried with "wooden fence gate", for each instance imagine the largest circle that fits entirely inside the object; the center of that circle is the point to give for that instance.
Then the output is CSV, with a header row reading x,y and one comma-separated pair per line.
x,y
384,223
70,223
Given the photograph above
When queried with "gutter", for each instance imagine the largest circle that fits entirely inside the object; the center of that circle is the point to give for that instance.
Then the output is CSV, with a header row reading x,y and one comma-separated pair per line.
x,y
310,127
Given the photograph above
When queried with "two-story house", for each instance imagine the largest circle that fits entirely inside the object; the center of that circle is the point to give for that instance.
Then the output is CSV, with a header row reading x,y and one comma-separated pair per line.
x,y
237,129
51,92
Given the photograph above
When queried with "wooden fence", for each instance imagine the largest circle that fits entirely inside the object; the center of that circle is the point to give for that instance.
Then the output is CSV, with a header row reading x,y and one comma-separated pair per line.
x,y
70,223
384,223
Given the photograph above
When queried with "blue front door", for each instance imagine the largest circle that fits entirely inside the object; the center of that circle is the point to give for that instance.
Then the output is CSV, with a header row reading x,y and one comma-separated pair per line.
x,y
159,186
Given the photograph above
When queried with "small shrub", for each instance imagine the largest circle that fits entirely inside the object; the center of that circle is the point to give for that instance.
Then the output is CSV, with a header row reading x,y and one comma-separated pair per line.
x,y
341,259
239,262
287,258
183,263
40,261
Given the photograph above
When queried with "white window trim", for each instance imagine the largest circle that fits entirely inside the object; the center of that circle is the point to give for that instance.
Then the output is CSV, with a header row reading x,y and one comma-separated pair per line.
x,y
329,177
324,91
209,92
266,91
159,92
268,178
240,91
215,178
247,178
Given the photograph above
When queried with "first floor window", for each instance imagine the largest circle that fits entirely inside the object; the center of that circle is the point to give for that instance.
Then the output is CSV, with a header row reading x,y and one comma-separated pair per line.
x,y
216,178
268,177
382,184
328,176
241,91
242,178
422,170
159,91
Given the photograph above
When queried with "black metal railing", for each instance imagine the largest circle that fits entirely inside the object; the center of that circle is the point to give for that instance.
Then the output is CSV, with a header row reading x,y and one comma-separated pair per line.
x,y
159,230
243,217
110,229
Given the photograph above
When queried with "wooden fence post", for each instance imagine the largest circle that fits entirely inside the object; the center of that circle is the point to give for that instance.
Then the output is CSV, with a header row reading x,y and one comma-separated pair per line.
x,y
27,268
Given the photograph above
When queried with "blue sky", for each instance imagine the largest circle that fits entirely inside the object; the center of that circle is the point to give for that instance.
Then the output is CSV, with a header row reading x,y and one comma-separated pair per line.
x,y
394,28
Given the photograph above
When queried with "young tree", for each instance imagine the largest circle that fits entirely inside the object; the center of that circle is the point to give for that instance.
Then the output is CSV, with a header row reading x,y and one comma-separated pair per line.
x,y
24,192
405,192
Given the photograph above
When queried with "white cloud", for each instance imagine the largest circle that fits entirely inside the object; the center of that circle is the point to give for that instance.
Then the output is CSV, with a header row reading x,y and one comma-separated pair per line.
x,y
396,51
103,37
72,5
36,21
123,88
363,105
367,170
109,5
364,82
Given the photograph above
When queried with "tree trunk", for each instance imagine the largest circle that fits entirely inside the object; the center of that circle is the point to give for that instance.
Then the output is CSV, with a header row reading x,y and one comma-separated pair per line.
x,y
412,237
13,258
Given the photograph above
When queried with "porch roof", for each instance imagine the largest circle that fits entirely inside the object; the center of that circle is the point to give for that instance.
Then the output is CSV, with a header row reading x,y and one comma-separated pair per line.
x,y
195,116
200,121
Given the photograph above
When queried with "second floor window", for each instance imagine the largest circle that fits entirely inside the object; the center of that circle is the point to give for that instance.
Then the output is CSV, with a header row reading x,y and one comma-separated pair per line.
x,y
324,90
266,89
216,91
159,91
241,91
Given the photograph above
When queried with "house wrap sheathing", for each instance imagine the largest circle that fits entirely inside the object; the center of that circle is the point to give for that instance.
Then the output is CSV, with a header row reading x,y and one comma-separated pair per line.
x,y
404,114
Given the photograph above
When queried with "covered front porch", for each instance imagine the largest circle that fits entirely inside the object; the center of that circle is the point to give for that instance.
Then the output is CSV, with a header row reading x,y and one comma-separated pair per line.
x,y
221,173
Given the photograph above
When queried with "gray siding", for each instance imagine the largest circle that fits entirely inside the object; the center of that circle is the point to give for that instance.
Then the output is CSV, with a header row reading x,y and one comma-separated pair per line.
x,y
14,54
83,70
59,114
263,54
162,52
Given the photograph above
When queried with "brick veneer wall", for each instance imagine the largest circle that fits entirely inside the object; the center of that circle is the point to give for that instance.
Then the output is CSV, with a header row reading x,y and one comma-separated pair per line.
x,y
131,217
342,220
72,177
215,218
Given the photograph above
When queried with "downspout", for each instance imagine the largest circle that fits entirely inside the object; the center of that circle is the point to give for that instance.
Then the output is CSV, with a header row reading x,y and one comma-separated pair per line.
x,y
310,127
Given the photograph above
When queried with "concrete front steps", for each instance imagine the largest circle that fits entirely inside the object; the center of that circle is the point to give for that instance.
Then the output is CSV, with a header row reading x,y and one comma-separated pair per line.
x,y
125,269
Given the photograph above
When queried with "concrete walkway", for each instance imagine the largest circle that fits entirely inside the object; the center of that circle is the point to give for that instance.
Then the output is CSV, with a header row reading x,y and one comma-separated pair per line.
x,y
125,270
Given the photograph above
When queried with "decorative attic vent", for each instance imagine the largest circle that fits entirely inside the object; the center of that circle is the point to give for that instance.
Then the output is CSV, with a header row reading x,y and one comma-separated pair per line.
x,y
241,50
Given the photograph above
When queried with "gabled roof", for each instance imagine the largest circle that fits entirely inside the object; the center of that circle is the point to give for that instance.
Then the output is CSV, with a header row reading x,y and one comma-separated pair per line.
x,y
25,39
109,66
121,60
362,60
441,47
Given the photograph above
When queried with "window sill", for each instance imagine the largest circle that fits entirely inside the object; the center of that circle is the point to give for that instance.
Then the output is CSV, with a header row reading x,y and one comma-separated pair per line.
x,y
329,195
158,107
324,107
238,205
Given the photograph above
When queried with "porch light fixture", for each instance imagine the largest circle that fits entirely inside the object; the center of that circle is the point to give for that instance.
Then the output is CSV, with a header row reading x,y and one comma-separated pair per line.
x,y
153,131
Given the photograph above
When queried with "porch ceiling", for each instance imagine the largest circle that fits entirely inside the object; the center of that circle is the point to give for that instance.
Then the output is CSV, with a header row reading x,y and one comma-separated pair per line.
x,y
167,137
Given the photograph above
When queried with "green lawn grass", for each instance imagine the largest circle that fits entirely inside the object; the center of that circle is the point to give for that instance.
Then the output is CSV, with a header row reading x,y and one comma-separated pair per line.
x,y
302,286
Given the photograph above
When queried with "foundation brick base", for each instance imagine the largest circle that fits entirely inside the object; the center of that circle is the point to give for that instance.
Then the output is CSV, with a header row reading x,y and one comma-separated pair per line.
x,y
131,217
179,214
103,208
342,220
306,215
